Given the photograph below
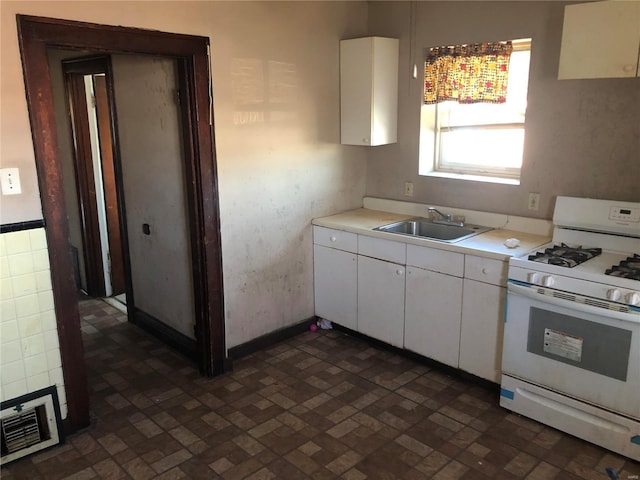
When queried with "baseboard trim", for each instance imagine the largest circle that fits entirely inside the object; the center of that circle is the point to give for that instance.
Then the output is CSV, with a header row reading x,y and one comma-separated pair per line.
x,y
446,369
269,339
170,336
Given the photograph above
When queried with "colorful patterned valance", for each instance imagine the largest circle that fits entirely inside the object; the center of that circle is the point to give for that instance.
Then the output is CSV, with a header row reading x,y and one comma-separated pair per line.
x,y
467,73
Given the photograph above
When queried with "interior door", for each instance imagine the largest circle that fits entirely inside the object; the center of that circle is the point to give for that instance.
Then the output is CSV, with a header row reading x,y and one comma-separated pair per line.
x,y
116,265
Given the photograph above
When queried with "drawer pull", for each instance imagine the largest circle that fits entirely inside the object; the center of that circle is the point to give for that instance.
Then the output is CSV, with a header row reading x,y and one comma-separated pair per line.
x,y
333,238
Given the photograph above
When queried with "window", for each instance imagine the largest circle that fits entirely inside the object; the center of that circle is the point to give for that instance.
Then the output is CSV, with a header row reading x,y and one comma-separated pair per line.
x,y
479,141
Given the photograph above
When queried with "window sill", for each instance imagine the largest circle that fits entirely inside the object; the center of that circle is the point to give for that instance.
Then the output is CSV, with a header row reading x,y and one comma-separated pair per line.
x,y
473,178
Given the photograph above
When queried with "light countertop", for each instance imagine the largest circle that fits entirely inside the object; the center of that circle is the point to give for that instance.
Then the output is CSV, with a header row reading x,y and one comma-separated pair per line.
x,y
489,245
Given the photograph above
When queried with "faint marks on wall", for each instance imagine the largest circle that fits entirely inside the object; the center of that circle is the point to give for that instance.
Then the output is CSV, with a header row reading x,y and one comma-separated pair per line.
x,y
264,91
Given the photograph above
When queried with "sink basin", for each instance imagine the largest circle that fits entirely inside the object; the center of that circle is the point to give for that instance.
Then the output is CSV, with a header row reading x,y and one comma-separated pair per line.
x,y
425,228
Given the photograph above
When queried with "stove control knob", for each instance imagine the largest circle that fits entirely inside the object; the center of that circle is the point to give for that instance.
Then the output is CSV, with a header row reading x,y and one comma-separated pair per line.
x,y
613,294
633,298
548,281
533,277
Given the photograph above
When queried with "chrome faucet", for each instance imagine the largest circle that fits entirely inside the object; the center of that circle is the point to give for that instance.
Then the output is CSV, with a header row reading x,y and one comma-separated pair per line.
x,y
445,216
446,219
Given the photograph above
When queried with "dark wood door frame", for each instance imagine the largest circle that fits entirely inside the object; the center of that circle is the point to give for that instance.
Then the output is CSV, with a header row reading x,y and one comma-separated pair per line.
x,y
36,34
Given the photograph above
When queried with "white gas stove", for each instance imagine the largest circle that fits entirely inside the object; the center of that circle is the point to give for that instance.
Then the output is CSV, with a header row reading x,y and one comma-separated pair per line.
x,y
571,351
602,236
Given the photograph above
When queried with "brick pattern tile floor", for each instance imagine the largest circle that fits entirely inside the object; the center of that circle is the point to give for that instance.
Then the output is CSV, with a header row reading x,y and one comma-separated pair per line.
x,y
319,406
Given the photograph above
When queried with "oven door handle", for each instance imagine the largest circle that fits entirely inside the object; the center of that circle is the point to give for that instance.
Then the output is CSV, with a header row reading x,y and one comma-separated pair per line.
x,y
531,292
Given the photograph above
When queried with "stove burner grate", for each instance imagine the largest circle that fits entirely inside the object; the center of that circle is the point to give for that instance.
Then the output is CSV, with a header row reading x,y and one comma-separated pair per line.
x,y
565,256
629,268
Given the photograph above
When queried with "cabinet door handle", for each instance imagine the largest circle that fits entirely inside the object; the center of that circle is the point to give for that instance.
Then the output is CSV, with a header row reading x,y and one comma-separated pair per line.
x,y
399,271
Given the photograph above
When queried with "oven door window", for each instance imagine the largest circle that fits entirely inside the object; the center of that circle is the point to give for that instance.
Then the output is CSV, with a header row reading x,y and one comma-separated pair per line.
x,y
584,344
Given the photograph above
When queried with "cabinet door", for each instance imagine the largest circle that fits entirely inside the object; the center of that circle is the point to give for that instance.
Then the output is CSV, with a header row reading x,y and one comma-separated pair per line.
x,y
600,40
432,315
369,91
482,328
335,277
381,300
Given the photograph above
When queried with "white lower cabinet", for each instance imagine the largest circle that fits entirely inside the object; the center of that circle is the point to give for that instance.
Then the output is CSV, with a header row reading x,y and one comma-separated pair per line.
x,y
482,328
381,300
335,275
445,305
432,315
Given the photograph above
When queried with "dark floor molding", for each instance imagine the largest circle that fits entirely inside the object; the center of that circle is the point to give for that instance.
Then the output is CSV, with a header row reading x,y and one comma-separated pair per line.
x,y
17,227
269,339
170,336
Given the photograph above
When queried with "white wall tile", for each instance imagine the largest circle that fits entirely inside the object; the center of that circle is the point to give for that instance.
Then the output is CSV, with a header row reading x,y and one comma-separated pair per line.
x,y
37,382
53,359
35,365
30,325
27,306
9,331
17,242
40,260
20,263
43,280
30,354
51,341
11,352
23,285
38,239
62,398
55,377
12,372
7,311
14,389
49,321
45,301
32,345
6,289
4,266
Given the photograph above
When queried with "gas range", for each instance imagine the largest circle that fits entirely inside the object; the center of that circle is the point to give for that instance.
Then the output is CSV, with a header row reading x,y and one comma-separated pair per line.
x,y
591,253
571,346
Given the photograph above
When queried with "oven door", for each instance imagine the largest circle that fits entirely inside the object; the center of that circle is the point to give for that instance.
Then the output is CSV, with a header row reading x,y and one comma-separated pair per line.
x,y
584,350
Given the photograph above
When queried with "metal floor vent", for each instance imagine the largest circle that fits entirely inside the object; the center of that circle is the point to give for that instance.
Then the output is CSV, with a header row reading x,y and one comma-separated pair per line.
x,y
29,423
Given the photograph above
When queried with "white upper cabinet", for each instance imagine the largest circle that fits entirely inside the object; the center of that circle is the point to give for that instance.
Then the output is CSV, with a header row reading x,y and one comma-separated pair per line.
x,y
600,40
369,91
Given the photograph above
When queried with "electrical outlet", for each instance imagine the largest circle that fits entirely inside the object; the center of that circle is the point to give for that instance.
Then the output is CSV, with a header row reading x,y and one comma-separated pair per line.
x,y
408,189
534,201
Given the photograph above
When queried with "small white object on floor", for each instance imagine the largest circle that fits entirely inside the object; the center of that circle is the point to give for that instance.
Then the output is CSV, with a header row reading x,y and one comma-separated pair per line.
x,y
325,324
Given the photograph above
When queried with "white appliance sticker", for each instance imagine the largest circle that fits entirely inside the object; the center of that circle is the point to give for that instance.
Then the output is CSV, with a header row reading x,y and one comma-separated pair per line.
x,y
563,345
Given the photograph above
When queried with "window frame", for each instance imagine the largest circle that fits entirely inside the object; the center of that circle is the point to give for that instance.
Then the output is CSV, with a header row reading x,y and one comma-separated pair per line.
x,y
430,151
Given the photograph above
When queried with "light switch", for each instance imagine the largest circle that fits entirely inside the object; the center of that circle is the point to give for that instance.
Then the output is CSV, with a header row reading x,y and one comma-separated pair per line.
x,y
10,181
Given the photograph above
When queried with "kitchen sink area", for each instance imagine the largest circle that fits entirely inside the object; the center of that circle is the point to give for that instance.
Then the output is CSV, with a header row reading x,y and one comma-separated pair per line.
x,y
426,228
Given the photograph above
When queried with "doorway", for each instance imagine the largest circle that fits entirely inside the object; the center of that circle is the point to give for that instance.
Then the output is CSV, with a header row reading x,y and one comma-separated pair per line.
x,y
190,53
98,253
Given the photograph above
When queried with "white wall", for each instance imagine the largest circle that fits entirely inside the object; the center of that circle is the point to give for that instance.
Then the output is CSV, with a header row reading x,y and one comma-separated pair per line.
x,y
582,137
275,68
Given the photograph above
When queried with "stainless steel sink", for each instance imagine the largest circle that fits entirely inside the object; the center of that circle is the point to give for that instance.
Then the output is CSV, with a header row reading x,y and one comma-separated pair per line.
x,y
425,228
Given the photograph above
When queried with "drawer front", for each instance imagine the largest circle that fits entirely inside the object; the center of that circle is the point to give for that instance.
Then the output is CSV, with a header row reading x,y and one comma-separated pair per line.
x,y
442,261
485,270
338,239
383,249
